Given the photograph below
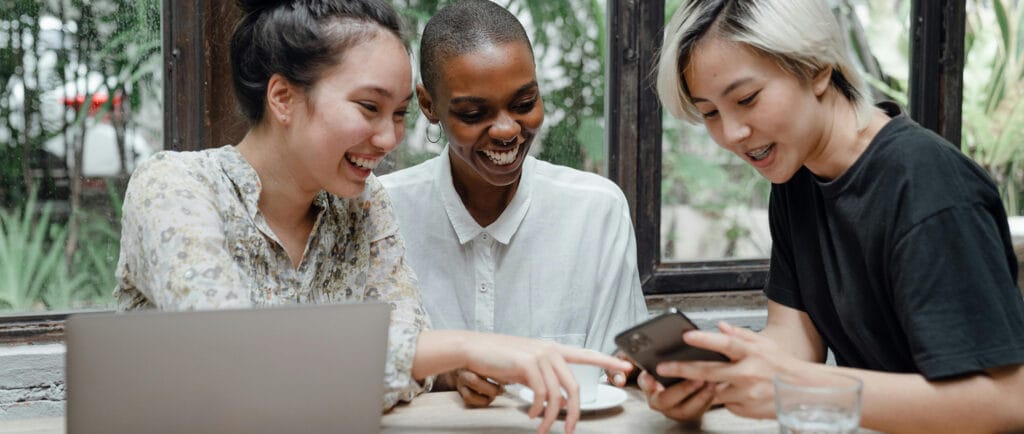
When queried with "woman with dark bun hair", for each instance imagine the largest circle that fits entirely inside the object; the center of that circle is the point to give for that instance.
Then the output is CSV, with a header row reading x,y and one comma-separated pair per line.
x,y
293,214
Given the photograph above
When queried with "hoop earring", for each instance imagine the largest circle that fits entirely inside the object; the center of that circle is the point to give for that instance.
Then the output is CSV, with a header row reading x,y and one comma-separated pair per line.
x,y
437,139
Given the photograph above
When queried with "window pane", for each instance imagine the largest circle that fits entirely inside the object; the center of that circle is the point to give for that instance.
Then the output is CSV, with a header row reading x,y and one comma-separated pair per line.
x,y
568,42
993,104
714,205
81,104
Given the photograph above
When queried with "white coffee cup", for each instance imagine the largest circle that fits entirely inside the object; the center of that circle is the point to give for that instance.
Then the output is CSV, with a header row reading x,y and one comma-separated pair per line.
x,y
587,376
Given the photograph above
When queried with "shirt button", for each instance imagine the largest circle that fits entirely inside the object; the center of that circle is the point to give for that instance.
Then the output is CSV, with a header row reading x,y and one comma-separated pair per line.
x,y
486,237
483,287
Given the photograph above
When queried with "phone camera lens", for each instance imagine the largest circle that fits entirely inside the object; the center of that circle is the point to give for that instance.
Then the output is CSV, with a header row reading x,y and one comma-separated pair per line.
x,y
637,342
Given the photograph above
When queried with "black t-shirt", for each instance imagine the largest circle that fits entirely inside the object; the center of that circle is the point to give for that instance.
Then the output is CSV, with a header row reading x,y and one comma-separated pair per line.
x,y
903,263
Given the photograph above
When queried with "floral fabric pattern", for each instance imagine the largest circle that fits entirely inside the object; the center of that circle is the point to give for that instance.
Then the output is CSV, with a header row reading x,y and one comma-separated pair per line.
x,y
193,238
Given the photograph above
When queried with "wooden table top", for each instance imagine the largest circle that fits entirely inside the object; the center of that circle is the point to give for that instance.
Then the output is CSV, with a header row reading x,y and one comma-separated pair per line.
x,y
444,412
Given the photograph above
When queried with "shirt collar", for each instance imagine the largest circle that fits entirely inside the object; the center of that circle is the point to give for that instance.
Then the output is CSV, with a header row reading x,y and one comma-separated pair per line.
x,y
242,175
465,226
247,182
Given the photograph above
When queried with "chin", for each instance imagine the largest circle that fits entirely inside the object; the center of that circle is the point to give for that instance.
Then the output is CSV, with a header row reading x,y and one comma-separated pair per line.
x,y
778,179
348,190
503,179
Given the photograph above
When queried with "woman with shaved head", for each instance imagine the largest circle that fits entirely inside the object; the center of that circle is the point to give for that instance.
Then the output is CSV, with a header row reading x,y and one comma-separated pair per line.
x,y
503,242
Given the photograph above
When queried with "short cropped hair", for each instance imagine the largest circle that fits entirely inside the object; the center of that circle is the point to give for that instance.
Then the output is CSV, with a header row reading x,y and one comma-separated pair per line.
x,y
801,36
464,27
299,39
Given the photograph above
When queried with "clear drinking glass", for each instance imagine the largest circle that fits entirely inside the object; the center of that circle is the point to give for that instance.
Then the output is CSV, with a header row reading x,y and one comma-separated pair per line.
x,y
817,403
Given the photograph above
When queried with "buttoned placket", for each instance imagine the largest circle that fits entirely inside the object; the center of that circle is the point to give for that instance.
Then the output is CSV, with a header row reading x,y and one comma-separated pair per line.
x,y
483,258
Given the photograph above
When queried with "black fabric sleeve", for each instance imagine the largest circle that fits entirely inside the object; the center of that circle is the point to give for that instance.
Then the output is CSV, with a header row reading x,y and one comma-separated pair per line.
x,y
955,295
782,285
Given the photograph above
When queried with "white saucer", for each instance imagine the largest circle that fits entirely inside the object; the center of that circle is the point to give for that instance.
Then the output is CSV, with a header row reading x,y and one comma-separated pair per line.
x,y
607,397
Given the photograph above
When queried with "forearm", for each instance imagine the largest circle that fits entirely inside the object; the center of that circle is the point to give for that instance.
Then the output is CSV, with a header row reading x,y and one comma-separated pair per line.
x,y
439,351
794,332
908,403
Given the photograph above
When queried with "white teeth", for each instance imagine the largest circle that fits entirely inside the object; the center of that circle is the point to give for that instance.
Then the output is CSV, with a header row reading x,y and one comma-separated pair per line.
x,y
760,154
504,157
363,162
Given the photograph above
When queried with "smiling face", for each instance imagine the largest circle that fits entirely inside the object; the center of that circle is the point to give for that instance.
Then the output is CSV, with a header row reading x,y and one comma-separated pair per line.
x,y
755,109
352,117
490,107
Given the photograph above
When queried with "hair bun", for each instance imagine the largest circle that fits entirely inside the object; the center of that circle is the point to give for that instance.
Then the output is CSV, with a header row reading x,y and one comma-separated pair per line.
x,y
251,6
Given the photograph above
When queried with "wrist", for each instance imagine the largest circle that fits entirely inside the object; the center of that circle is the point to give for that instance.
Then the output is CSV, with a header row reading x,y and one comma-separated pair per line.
x,y
794,366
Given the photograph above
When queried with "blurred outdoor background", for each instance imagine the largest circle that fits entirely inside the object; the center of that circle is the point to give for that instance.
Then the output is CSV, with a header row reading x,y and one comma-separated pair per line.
x,y
81,104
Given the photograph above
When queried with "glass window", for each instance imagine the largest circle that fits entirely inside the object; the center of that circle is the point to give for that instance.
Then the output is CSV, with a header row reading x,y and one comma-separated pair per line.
x,y
993,99
81,104
568,43
714,205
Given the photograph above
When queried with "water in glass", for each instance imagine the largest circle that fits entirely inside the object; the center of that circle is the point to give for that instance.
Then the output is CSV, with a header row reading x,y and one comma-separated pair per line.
x,y
817,419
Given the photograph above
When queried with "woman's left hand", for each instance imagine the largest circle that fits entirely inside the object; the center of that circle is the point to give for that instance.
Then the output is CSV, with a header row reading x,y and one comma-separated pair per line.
x,y
619,378
745,384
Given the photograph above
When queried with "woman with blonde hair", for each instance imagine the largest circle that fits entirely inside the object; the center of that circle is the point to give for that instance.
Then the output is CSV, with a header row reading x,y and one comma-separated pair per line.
x,y
890,247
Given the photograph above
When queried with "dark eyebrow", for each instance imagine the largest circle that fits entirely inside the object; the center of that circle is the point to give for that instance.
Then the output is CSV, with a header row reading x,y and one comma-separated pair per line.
x,y
477,100
468,99
731,87
528,86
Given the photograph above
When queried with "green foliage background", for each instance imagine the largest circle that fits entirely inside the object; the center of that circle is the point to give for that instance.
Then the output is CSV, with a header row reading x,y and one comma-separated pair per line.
x,y
120,39
59,232
570,31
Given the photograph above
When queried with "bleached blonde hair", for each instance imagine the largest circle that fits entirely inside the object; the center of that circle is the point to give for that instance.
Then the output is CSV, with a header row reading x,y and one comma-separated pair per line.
x,y
802,36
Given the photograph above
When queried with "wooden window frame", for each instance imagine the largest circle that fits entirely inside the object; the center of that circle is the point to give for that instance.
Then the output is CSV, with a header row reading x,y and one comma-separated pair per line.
x,y
200,113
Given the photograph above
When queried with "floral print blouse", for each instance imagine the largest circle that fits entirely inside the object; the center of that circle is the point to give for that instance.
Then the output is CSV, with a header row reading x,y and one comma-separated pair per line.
x,y
193,238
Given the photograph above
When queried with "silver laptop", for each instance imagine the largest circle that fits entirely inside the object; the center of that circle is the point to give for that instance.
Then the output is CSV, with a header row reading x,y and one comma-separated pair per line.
x,y
310,369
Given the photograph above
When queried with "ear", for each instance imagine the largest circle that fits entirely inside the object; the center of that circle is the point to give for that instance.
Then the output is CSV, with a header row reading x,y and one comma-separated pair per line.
x,y
426,104
281,98
822,80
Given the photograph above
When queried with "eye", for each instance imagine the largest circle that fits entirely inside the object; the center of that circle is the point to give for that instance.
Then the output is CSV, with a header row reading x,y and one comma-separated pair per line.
x,y
470,116
400,115
749,99
709,114
525,106
368,106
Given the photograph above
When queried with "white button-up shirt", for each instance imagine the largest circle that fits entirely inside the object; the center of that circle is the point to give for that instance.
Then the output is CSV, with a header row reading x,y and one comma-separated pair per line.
x,y
559,263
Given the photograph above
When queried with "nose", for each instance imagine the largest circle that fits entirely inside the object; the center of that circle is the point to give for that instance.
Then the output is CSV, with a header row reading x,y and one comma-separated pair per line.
x,y
505,129
388,135
734,130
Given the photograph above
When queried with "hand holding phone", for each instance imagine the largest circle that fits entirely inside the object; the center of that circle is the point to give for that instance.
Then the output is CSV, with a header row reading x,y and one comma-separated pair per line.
x,y
660,339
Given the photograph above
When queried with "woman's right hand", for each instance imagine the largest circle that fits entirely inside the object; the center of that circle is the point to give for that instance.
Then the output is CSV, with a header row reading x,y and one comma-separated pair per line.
x,y
540,365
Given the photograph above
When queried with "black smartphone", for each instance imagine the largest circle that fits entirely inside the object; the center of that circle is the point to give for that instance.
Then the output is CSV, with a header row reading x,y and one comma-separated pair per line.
x,y
660,339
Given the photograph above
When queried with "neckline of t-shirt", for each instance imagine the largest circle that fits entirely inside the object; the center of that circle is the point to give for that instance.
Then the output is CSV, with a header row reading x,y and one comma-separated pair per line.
x,y
835,187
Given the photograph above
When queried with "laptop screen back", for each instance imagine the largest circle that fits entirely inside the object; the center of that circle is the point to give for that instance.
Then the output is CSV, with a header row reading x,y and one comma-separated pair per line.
x,y
273,370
